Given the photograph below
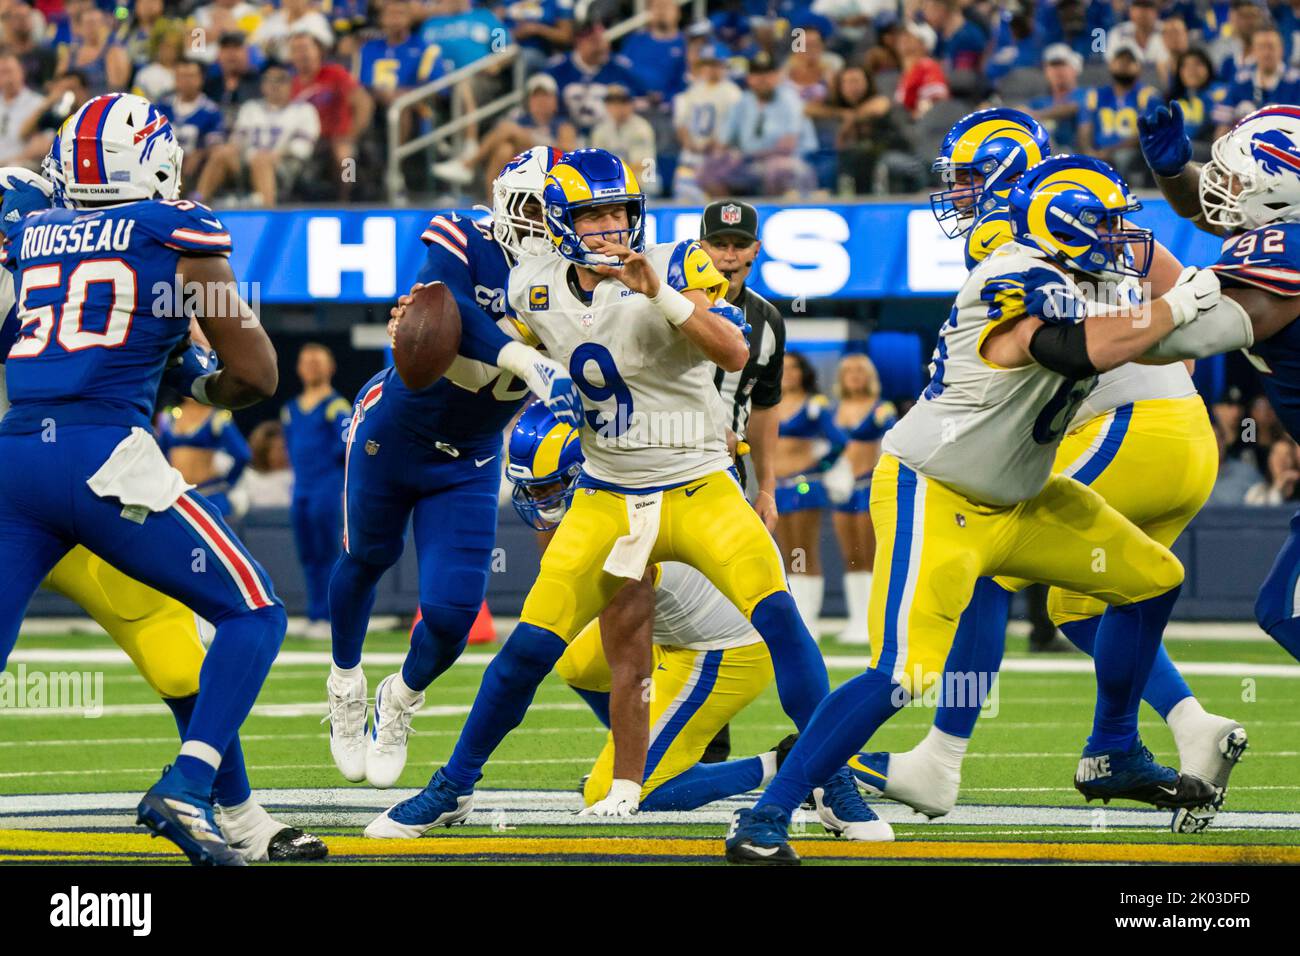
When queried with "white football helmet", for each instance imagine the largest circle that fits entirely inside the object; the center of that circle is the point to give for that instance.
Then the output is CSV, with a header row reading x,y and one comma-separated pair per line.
x,y
1253,176
519,181
117,148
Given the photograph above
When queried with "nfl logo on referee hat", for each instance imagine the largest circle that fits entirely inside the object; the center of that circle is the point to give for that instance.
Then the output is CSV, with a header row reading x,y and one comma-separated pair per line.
x,y
730,214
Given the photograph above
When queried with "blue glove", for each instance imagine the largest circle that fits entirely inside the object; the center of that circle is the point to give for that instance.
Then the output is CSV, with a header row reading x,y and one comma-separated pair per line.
x,y
24,192
188,366
1164,139
734,315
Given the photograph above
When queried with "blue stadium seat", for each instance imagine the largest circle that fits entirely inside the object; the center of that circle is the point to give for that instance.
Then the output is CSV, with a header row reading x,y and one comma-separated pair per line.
x,y
1211,377
899,359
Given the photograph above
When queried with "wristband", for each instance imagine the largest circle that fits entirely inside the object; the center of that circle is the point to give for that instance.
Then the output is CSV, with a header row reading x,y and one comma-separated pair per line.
x,y
675,306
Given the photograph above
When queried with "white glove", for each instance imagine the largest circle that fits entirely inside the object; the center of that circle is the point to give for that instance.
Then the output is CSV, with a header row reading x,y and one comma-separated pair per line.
x,y
546,379
623,800
1196,291
839,481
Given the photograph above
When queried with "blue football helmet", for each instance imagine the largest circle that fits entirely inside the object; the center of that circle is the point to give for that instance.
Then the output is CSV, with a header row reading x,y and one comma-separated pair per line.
x,y
583,179
545,458
983,154
1073,208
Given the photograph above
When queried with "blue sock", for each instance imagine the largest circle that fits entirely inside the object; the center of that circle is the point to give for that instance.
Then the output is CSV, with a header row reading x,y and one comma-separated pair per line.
x,y
1127,640
352,596
231,786
1287,633
438,639
975,658
801,679
704,783
242,652
843,723
1165,687
509,683
597,700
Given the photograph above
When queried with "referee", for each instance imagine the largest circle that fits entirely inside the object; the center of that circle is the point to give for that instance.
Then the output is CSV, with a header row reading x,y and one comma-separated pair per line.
x,y
729,234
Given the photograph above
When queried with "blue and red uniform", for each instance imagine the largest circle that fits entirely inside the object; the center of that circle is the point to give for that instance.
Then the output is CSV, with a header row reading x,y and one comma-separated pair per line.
x,y
217,433
315,441
430,458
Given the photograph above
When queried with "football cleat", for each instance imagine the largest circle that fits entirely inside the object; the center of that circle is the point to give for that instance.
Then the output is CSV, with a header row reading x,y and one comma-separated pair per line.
x,y
386,745
913,777
438,805
844,813
1135,775
174,810
259,838
347,718
1211,757
783,748
758,838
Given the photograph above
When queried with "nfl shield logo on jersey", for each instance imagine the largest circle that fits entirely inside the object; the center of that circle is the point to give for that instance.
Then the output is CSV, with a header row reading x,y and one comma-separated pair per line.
x,y
731,214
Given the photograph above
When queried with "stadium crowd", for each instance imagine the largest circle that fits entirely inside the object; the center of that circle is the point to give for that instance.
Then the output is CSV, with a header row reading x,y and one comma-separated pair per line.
x,y
286,100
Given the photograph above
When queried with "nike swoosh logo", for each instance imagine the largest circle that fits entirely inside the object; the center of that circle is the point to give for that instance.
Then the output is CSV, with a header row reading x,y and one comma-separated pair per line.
x,y
763,850
691,491
214,223
701,267
1172,791
855,762
480,463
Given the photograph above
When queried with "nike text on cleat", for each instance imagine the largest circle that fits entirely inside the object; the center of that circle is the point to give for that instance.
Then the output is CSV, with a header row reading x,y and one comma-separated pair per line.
x,y
758,838
171,809
1135,775
386,745
438,804
914,778
844,813
348,710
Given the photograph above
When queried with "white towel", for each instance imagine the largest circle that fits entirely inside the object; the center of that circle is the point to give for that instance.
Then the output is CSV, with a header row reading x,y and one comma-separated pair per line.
x,y
631,553
137,474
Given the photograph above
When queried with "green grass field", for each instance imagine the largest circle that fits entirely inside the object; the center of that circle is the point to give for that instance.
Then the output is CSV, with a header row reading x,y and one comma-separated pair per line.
x,y
65,775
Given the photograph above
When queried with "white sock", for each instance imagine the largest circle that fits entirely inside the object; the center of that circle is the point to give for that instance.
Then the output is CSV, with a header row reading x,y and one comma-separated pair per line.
x,y
806,589
768,760
946,748
346,674
403,694
857,594
1184,717
201,751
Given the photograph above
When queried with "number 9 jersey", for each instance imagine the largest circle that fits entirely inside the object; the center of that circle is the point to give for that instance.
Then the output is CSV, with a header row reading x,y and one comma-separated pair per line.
x,y
989,432
100,308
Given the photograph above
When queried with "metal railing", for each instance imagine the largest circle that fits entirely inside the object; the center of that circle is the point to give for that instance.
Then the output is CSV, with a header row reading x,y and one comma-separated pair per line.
x,y
509,56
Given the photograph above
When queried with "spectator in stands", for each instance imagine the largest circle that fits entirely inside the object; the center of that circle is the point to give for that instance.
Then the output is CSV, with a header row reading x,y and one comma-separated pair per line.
x,y
464,34
542,29
1019,46
698,118
217,18
1142,31
1177,40
1058,108
627,135
1260,431
767,136
922,83
232,81
157,78
267,482
1108,119
93,54
1283,481
1070,22
39,63
272,140
1230,49
18,104
960,42
195,118
294,16
811,70
344,108
869,128
138,33
584,74
67,94
1199,95
1267,80
396,61
656,55
1236,476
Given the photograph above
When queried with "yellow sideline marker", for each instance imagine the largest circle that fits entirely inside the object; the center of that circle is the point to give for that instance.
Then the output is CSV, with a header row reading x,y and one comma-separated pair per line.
x,y
32,846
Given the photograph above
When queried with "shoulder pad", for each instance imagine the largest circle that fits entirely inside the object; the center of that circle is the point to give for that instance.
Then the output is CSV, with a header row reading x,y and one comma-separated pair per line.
x,y
452,232
186,226
689,267
1267,257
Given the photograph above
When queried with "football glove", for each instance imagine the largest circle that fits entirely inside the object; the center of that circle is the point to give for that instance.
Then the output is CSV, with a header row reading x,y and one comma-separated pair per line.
x,y
1164,139
733,315
186,366
545,378
1195,292
24,192
623,800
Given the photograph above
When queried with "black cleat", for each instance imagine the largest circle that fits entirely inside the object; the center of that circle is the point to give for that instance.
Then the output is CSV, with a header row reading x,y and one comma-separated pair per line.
x,y
758,838
292,845
1135,775
719,748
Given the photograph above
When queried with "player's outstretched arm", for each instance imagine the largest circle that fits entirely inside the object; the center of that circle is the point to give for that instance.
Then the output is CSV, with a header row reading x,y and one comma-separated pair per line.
x,y
1167,149
248,374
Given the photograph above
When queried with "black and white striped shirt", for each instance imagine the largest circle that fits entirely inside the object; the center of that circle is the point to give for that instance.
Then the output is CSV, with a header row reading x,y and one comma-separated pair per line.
x,y
759,382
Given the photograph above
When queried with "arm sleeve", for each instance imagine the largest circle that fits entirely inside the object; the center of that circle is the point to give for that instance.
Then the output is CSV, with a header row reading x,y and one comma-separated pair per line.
x,y
1225,328
1062,349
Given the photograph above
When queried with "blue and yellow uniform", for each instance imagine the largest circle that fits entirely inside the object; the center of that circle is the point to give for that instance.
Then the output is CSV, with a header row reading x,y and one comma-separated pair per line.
x,y
880,419
1114,117
217,432
314,438
814,421
388,67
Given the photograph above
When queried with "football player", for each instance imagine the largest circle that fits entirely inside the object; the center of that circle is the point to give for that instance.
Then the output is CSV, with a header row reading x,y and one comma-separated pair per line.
x,y
640,333
709,662
964,490
1142,439
81,463
430,458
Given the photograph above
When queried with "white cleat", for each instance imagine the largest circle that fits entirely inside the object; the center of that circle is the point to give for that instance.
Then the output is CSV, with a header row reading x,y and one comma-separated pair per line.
x,y
386,745
258,837
347,719
916,778
843,813
437,805
1208,750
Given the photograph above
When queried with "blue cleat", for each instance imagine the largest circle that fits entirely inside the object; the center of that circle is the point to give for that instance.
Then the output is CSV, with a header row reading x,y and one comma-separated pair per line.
x,y
438,805
173,810
871,771
844,813
1135,775
758,838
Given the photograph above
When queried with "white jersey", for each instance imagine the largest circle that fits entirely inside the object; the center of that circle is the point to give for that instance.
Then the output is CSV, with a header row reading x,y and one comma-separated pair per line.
x,y
1132,382
702,107
691,612
290,130
662,421
991,433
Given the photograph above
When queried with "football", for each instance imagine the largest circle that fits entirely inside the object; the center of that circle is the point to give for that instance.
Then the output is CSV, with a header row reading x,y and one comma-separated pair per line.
x,y
426,340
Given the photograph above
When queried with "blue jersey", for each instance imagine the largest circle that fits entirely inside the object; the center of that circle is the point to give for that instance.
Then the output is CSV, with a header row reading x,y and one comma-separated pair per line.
x,y
463,255
582,94
99,309
385,66
1114,117
1269,258
197,124
658,65
550,13
315,441
465,37
1245,94
873,426
217,433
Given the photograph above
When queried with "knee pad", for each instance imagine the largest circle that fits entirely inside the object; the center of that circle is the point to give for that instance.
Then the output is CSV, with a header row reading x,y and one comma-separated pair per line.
x,y
448,625
529,655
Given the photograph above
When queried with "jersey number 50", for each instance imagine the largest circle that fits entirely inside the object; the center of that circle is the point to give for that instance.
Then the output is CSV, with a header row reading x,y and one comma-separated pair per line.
x,y
38,322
